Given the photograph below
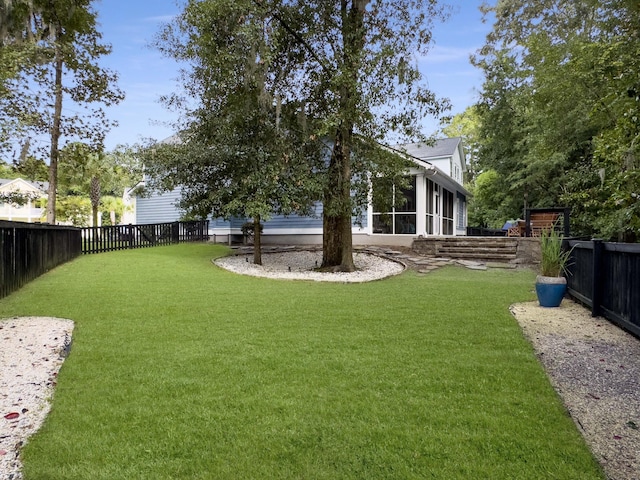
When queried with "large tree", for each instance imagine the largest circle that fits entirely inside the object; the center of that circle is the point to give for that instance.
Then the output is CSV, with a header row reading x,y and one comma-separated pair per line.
x,y
57,47
356,70
348,65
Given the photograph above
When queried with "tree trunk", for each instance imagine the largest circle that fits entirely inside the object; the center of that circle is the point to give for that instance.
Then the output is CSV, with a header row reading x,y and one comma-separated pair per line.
x,y
257,241
55,137
337,242
94,195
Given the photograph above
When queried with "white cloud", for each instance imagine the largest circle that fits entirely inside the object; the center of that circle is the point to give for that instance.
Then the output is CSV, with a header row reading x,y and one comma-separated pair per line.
x,y
443,54
159,19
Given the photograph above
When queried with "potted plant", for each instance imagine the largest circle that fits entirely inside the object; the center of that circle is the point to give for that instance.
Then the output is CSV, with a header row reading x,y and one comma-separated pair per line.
x,y
551,284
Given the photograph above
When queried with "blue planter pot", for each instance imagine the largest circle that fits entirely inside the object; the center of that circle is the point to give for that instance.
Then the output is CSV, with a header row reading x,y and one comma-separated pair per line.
x,y
550,292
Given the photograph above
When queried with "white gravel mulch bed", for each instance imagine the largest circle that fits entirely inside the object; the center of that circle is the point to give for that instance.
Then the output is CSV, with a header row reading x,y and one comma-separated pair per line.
x,y
33,349
302,265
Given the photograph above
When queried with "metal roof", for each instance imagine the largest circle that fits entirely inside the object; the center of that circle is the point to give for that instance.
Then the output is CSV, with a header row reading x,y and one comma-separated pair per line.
x,y
443,147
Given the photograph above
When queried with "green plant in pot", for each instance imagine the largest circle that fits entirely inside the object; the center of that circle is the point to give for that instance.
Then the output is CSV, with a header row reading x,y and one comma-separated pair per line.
x,y
551,284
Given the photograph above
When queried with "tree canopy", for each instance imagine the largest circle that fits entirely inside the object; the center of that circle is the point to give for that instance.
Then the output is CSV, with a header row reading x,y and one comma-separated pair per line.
x,y
49,51
90,179
559,111
344,68
243,149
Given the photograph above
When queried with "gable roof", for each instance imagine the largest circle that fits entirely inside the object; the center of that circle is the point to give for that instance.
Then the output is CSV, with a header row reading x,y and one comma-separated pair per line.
x,y
422,154
443,147
41,186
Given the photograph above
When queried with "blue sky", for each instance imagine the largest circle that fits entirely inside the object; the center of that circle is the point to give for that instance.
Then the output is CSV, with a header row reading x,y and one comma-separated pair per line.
x,y
129,26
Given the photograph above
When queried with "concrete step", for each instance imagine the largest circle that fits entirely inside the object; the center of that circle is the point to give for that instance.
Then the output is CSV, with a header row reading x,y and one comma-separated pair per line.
x,y
481,256
460,249
471,243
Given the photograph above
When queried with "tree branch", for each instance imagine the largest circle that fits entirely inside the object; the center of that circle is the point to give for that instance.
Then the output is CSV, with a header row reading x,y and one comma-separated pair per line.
x,y
298,38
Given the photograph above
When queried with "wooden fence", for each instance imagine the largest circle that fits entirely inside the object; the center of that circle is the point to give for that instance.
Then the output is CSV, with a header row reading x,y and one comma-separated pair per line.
x,y
606,277
29,250
123,237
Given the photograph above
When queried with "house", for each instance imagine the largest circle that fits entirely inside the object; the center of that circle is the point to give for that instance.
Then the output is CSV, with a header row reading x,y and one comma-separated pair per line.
x,y
33,193
435,205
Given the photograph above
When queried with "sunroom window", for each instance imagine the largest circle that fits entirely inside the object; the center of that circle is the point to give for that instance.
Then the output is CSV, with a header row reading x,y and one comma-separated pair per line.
x,y
447,212
394,208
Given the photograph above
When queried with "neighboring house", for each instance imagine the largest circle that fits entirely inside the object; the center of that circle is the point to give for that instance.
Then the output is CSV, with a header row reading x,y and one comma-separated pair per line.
x,y
436,205
32,210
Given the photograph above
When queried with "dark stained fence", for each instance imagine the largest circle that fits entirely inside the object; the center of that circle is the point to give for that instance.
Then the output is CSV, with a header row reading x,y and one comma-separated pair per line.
x,y
606,277
123,237
29,250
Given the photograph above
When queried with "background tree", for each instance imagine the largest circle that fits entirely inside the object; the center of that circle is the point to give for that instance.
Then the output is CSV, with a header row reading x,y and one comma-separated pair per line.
x,y
75,210
81,174
482,185
32,168
7,171
91,174
112,208
466,125
58,49
559,110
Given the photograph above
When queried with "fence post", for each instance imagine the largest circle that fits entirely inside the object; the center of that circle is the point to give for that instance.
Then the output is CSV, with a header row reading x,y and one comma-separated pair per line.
x,y
175,232
596,292
130,235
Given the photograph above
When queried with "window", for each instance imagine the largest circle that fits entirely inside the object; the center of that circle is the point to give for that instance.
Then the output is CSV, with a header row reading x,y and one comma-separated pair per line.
x,y
394,209
447,212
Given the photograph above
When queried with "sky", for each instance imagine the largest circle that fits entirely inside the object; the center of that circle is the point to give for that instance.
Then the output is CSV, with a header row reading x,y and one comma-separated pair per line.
x,y
144,74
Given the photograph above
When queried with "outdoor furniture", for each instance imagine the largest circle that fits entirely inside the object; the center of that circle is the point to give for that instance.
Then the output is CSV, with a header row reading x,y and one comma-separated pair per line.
x,y
517,229
541,221
538,220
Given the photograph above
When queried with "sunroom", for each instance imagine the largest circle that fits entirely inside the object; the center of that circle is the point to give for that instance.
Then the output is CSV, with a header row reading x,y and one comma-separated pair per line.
x,y
433,203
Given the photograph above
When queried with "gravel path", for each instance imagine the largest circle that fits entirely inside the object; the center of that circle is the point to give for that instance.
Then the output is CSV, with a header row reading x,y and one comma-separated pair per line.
x,y
595,368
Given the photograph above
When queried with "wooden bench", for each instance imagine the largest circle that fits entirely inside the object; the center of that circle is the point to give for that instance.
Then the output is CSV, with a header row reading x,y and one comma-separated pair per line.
x,y
542,221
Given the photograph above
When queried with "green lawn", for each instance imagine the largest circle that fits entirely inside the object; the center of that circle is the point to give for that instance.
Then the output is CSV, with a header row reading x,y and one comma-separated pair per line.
x,y
181,370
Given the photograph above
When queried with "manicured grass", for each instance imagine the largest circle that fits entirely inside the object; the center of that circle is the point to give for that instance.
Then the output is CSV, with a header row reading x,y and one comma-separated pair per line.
x,y
181,370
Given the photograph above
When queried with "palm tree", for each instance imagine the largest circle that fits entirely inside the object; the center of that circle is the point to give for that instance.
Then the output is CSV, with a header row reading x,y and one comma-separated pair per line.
x,y
84,171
